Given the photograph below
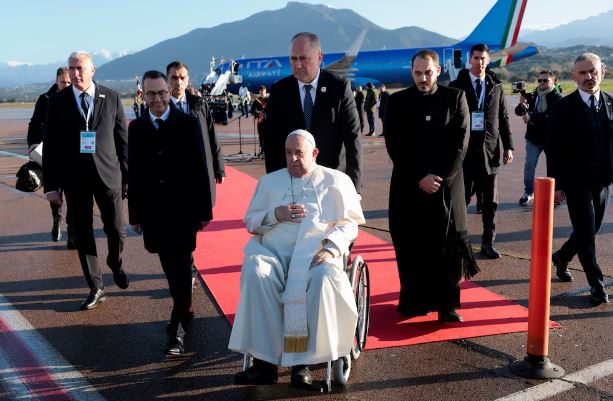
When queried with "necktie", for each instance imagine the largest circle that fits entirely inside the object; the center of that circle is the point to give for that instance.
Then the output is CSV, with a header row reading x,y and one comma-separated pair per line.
x,y
308,106
478,89
593,103
84,105
182,106
159,122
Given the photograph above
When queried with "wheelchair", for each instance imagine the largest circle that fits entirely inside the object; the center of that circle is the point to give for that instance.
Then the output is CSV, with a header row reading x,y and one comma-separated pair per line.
x,y
357,272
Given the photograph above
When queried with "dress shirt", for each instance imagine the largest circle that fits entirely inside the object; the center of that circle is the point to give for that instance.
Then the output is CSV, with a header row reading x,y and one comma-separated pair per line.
x,y
586,97
480,96
302,91
176,101
164,116
89,98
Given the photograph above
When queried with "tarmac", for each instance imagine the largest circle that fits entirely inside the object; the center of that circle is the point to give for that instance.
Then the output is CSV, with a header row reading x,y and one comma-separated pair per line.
x,y
50,350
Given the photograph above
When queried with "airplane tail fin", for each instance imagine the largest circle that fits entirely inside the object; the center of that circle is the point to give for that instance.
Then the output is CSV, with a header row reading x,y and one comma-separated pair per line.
x,y
500,27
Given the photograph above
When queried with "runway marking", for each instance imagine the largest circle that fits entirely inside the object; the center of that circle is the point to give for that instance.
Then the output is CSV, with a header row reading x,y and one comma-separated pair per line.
x,y
30,368
557,386
5,153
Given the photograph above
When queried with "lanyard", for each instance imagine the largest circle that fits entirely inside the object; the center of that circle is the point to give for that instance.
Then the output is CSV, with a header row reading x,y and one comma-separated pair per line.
x,y
481,97
89,112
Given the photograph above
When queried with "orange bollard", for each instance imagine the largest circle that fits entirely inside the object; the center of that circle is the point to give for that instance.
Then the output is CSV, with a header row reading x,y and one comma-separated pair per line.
x,y
536,365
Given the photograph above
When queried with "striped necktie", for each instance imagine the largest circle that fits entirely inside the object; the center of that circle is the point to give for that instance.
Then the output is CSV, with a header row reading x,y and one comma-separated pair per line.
x,y
84,104
308,106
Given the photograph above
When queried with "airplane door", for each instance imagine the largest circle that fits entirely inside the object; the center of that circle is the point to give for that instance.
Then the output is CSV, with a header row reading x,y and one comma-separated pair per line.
x,y
447,59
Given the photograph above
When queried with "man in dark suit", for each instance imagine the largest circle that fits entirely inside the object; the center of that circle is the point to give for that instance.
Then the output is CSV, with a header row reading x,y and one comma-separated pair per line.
x,y
580,158
489,125
36,131
170,198
178,80
315,100
86,155
427,130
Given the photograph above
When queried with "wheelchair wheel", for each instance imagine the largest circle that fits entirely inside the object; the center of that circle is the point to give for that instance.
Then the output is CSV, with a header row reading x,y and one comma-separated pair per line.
x,y
360,281
342,369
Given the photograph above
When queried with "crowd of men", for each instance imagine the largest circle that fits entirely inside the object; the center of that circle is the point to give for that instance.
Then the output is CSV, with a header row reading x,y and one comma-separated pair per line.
x,y
445,143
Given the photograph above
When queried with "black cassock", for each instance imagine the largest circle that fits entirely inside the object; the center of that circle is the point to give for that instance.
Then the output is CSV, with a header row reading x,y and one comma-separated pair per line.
x,y
428,134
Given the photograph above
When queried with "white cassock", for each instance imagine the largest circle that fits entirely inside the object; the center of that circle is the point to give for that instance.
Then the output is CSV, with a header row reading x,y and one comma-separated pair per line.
x,y
281,299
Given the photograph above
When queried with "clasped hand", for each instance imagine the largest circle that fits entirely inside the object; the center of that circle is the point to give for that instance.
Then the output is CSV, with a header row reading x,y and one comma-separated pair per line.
x,y
430,183
293,213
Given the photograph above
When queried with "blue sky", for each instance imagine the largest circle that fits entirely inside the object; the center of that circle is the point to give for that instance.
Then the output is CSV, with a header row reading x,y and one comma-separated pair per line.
x,y
42,31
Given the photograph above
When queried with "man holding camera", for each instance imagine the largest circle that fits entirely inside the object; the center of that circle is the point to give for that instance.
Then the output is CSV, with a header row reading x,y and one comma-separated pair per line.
x,y
534,110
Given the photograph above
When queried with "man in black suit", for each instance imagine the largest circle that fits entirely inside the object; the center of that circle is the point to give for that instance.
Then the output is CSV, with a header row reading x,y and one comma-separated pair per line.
x,y
315,100
489,126
86,156
580,158
178,80
170,197
36,131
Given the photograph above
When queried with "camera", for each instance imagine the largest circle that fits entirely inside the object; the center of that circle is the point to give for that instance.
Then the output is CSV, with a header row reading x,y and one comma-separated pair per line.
x,y
519,87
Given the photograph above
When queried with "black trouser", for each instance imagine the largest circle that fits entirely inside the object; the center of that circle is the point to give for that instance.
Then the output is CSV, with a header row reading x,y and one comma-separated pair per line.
x,y
110,204
488,184
361,117
56,212
177,266
586,208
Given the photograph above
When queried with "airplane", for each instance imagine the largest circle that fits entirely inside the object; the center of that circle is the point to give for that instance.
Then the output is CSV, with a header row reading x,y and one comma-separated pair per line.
x,y
499,29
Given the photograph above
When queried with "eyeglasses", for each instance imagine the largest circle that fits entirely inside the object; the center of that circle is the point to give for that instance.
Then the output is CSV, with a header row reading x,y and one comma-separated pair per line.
x,y
161,94
542,80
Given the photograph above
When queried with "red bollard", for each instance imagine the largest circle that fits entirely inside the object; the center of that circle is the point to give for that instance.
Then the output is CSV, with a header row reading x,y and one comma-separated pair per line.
x,y
536,365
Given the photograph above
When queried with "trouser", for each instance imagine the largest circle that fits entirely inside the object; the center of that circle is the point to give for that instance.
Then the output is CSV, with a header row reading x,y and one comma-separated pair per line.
x,y
177,266
533,152
370,116
586,208
361,117
488,184
110,204
56,212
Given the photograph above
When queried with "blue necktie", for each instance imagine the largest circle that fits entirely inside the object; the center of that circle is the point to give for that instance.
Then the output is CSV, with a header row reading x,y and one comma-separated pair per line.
x,y
308,106
84,105
593,103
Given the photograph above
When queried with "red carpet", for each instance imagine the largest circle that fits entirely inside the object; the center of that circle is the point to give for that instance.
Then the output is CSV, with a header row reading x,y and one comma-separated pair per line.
x,y
219,256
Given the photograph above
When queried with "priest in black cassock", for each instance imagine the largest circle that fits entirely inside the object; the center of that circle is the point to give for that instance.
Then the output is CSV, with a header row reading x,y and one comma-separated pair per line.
x,y
426,133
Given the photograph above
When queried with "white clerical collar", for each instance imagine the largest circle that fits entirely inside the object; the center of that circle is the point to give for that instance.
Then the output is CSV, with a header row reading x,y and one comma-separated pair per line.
x,y
586,97
164,116
313,83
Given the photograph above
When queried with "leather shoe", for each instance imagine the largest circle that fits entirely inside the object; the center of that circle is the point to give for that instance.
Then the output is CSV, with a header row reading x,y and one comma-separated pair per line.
x,y
489,251
95,296
174,346
261,372
121,278
70,242
301,376
598,296
561,268
56,230
449,316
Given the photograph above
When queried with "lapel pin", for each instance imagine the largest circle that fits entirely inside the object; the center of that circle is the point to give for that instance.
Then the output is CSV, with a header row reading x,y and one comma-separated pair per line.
x,y
101,95
323,89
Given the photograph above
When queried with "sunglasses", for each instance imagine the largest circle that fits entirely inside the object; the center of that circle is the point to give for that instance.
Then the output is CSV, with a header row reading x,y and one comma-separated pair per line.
x,y
542,80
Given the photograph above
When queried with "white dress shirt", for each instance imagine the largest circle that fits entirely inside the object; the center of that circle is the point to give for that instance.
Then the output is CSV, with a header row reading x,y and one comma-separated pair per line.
x,y
302,91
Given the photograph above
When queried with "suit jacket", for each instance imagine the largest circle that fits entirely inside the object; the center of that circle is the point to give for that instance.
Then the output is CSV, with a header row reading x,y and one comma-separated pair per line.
x,y
570,149
168,181
214,156
64,165
497,128
36,128
334,124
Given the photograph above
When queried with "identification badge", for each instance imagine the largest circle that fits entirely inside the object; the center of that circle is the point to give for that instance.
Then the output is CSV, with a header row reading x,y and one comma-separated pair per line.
x,y
477,121
88,141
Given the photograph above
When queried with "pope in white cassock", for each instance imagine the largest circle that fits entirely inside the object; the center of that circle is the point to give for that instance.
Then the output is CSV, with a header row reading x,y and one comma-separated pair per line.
x,y
296,304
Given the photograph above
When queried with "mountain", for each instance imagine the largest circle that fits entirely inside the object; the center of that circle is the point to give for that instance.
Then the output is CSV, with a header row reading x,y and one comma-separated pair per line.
x,y
592,31
267,33
15,73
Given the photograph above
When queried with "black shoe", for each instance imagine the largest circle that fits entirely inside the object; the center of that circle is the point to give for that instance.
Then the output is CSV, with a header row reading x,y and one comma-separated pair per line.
x,y
70,242
301,377
598,296
56,230
489,251
261,372
449,316
174,346
479,208
121,278
95,296
561,268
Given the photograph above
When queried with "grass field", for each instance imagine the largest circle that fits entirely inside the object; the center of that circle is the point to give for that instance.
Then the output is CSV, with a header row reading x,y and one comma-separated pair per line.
x,y
568,86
